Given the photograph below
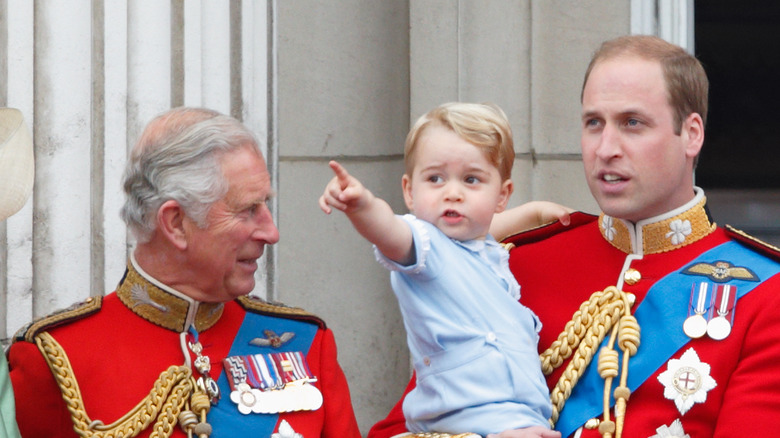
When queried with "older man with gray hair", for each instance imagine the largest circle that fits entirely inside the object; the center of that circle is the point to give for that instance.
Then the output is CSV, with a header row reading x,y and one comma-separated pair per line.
x,y
180,342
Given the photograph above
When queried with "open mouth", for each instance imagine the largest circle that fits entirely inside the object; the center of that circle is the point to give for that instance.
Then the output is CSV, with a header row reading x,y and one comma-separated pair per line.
x,y
612,178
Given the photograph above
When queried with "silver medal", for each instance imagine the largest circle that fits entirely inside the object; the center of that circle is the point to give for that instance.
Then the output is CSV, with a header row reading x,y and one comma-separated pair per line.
x,y
245,395
719,328
312,396
695,326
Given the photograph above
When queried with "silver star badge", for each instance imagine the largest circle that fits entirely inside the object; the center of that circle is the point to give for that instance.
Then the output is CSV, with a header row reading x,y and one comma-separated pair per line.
x,y
686,381
674,430
286,431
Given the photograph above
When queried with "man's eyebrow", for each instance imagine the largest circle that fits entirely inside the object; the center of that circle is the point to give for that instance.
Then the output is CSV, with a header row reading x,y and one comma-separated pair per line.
x,y
238,205
589,114
631,112
625,113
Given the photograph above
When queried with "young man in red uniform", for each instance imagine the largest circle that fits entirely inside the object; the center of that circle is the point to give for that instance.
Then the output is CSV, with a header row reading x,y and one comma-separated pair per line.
x,y
671,320
179,349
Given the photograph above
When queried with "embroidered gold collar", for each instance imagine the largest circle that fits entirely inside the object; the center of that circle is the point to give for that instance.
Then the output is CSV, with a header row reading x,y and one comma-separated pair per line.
x,y
663,233
163,306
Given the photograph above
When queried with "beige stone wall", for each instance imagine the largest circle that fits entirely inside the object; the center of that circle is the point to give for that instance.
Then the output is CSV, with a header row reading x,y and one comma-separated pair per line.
x,y
351,76
317,79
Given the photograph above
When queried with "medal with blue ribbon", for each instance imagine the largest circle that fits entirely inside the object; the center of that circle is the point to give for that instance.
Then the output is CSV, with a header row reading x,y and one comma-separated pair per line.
x,y
695,326
272,383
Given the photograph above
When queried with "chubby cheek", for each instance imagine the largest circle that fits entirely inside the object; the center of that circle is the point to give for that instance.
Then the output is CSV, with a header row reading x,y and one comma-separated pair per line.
x,y
413,200
426,209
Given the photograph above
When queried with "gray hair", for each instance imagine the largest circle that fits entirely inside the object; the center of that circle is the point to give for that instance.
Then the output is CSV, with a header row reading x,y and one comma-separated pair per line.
x,y
178,158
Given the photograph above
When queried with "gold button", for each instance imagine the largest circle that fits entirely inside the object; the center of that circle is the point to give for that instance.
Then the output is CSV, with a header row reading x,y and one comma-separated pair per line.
x,y
632,277
593,423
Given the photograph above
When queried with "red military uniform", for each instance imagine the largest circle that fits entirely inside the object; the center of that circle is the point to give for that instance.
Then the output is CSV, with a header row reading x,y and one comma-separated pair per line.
x,y
120,347
701,387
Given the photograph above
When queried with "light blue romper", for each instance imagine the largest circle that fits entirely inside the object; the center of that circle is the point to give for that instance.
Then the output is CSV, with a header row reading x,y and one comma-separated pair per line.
x,y
473,345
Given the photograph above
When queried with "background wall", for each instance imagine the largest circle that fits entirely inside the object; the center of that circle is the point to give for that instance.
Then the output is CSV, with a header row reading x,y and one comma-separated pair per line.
x,y
316,80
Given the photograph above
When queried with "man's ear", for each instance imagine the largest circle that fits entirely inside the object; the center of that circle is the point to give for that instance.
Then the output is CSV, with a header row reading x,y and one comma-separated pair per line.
x,y
171,224
693,132
507,187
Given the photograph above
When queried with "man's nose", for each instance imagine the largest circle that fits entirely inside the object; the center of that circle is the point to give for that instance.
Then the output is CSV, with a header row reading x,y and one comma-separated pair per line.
x,y
265,230
610,144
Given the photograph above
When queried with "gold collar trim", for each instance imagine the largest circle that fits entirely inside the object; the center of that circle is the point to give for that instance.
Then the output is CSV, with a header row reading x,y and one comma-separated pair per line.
x,y
678,228
163,306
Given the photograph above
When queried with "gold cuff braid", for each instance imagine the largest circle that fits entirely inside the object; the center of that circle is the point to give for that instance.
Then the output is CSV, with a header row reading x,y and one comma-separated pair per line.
x,y
171,391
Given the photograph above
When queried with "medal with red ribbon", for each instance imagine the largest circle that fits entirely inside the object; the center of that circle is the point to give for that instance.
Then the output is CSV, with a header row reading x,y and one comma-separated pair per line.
x,y
272,383
723,307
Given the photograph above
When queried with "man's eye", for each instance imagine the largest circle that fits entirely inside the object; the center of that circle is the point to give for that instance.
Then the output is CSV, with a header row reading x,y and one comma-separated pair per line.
x,y
252,210
591,123
632,122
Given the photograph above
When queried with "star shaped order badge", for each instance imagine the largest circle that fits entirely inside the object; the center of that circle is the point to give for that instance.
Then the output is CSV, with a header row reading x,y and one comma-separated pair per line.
x,y
687,380
674,430
286,431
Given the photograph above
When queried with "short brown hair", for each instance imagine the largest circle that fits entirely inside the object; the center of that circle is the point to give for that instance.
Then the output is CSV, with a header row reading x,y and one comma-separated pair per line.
x,y
687,85
483,125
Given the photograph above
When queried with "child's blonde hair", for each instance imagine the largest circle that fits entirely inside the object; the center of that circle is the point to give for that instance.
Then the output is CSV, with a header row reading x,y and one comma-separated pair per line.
x,y
483,125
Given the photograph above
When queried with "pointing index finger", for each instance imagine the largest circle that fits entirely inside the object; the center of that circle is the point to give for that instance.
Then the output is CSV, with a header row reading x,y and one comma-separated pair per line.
x,y
341,173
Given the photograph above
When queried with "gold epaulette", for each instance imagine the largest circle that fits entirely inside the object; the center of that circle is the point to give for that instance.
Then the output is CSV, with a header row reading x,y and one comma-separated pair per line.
x,y
58,318
258,305
753,242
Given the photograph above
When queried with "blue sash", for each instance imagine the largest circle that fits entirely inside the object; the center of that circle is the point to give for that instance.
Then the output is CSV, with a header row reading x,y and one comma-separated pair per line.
x,y
224,418
661,315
